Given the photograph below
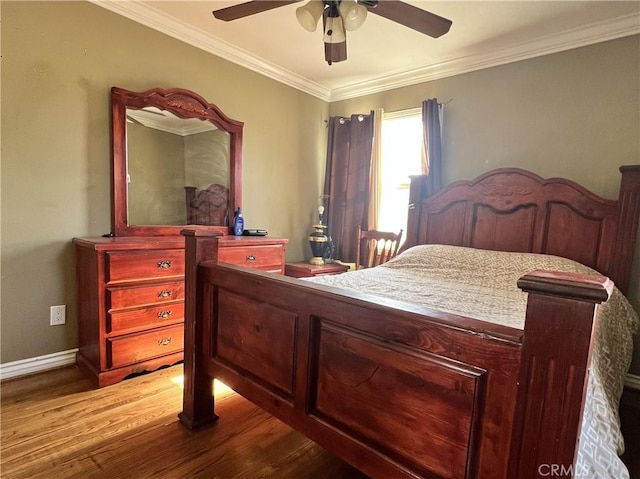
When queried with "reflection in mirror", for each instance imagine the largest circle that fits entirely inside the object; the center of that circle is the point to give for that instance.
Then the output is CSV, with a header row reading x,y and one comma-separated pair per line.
x,y
177,169
177,161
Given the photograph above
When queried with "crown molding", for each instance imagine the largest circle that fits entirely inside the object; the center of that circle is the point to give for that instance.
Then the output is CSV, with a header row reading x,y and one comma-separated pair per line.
x,y
150,17
166,121
567,40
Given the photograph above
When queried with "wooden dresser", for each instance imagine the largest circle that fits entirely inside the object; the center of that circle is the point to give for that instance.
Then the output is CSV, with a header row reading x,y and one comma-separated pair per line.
x,y
131,298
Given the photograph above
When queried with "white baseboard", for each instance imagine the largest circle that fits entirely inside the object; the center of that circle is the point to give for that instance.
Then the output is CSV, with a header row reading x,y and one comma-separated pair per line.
x,y
37,364
67,358
632,381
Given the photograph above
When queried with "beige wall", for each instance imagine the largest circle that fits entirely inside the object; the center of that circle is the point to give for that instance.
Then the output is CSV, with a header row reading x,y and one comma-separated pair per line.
x,y
155,177
574,114
59,61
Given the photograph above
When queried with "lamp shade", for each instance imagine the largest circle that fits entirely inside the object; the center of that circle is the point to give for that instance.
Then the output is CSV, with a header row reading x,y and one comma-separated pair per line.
x,y
309,14
353,15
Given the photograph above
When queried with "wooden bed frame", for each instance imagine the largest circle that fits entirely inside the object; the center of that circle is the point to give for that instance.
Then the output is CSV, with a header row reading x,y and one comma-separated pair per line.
x,y
399,390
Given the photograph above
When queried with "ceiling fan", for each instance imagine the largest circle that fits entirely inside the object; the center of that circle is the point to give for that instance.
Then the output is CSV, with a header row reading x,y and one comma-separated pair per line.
x,y
339,16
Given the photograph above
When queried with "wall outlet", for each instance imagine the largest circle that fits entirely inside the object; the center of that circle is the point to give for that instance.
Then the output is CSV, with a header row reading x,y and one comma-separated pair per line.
x,y
58,315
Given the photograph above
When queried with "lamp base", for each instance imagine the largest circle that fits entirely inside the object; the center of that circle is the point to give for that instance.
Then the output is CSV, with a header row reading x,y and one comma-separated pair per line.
x,y
316,260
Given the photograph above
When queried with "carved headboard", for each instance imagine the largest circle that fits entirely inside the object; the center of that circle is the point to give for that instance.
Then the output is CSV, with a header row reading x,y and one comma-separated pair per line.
x,y
510,209
207,206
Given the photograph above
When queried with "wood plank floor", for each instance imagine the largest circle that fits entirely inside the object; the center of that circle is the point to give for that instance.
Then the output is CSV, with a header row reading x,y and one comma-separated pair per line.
x,y
55,425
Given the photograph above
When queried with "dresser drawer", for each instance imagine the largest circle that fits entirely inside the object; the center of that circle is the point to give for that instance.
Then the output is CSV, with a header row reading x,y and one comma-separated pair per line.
x,y
129,297
133,348
268,257
144,318
136,265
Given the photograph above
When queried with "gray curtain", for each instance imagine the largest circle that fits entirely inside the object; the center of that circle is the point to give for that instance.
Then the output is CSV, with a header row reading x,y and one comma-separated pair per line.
x,y
432,160
347,181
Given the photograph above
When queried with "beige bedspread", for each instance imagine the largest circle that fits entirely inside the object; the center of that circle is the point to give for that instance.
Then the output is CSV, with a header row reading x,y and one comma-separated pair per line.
x,y
440,277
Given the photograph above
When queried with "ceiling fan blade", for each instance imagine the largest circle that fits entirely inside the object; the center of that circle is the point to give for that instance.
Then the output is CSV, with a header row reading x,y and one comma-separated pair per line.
x,y
412,17
248,8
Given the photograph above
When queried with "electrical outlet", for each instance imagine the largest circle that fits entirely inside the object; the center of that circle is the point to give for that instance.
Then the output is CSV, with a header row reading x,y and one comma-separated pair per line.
x,y
57,315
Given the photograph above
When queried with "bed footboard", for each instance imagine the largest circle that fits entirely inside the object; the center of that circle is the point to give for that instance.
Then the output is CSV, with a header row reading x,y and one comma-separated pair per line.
x,y
393,389
559,334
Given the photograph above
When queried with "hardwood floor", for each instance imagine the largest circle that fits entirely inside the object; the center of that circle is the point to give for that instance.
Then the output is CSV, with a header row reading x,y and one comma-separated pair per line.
x,y
54,425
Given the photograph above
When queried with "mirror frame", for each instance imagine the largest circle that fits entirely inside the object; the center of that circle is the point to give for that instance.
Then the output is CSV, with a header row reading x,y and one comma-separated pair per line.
x,y
184,104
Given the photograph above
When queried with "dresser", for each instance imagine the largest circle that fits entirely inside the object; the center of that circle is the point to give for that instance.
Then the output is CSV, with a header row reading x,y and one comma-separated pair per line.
x,y
131,298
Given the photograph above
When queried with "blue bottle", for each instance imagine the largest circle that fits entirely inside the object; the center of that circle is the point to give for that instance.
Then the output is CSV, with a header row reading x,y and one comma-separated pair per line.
x,y
238,222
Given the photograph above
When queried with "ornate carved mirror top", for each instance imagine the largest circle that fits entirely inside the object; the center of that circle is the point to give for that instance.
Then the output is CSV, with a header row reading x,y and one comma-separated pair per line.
x,y
176,162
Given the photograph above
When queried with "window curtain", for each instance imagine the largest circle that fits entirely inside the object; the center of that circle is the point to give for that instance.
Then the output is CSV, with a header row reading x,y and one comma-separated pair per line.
x,y
432,146
347,180
375,177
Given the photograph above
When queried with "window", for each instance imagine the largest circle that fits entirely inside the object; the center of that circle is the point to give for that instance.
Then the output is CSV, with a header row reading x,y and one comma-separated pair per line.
x,y
401,157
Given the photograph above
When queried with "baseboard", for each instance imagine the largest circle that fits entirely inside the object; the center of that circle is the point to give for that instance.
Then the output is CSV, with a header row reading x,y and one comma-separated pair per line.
x,y
37,364
632,381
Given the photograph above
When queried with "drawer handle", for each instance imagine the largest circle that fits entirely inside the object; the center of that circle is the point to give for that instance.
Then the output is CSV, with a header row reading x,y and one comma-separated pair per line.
x,y
164,341
251,258
164,314
164,264
165,293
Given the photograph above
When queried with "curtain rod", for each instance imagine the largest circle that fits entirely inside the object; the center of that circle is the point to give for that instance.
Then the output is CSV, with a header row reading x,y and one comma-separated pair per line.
x,y
343,119
413,111
361,116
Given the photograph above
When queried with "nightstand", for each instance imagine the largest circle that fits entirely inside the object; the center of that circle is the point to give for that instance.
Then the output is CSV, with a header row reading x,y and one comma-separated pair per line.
x,y
306,270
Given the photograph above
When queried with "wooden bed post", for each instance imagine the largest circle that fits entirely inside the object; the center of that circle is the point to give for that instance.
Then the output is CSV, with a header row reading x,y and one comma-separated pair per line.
x,y
628,213
558,337
416,193
197,401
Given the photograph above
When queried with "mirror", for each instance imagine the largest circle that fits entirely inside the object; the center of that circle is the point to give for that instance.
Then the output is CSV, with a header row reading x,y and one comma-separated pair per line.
x,y
176,163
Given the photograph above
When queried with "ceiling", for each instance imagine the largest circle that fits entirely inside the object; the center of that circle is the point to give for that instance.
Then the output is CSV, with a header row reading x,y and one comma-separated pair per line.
x,y
382,54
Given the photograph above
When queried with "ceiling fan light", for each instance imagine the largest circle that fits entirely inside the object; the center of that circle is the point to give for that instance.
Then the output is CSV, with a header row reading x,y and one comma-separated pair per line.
x,y
353,15
334,30
309,14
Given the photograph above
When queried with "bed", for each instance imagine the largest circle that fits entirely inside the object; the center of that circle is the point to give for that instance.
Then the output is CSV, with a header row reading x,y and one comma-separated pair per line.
x,y
399,388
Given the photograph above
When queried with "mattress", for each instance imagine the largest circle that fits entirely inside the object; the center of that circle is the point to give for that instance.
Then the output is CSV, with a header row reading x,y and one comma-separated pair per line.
x,y
483,284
